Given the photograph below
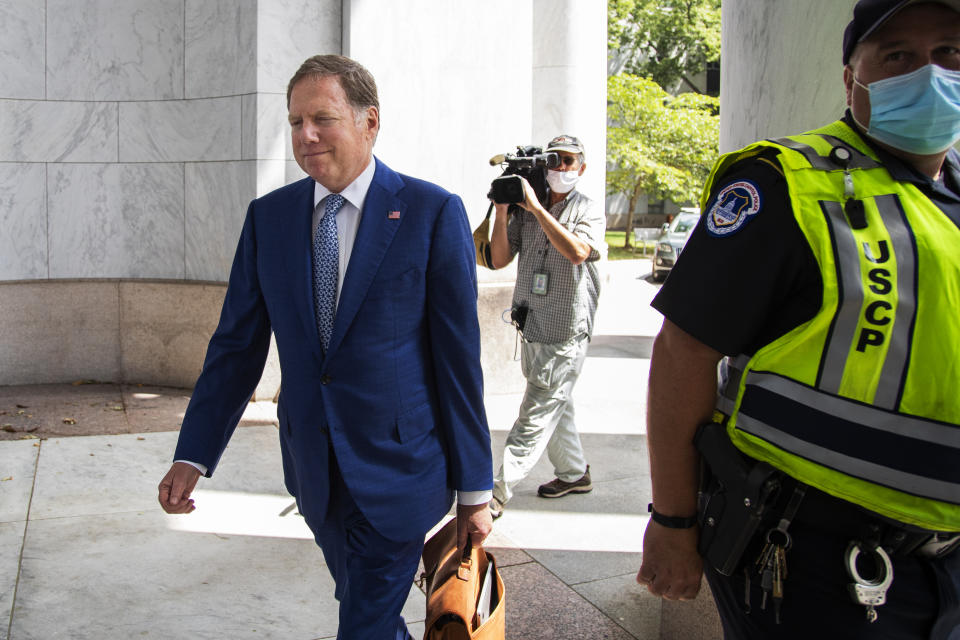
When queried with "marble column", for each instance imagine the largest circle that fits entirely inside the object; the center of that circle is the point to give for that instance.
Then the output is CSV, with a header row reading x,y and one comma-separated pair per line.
x,y
781,67
454,83
569,81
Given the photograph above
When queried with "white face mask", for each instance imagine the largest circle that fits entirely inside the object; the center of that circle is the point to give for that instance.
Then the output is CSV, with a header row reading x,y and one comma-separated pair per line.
x,y
562,181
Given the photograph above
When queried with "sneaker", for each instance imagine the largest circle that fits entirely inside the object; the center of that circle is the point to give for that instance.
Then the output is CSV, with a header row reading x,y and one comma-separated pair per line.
x,y
496,508
557,487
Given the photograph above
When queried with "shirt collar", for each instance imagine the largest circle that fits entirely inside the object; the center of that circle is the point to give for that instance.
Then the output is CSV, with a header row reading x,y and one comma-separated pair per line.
x,y
903,172
356,191
950,173
566,198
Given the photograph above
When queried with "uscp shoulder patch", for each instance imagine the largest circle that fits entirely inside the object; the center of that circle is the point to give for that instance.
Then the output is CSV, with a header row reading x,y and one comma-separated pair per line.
x,y
732,207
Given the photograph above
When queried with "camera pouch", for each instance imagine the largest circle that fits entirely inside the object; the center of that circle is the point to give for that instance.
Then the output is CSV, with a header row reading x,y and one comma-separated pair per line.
x,y
481,241
518,316
736,494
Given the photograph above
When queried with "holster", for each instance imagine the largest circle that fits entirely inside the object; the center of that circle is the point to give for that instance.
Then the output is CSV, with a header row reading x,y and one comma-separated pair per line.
x,y
736,494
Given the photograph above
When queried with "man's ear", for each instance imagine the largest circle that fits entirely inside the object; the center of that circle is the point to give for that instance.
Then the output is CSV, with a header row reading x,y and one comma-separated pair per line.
x,y
582,167
372,120
848,83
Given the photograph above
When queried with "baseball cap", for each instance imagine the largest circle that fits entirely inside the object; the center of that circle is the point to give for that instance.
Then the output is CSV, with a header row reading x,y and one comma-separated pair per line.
x,y
569,143
869,15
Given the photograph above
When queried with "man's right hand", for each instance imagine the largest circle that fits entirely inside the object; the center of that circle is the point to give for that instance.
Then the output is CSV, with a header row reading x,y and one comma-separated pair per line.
x,y
671,566
530,200
176,487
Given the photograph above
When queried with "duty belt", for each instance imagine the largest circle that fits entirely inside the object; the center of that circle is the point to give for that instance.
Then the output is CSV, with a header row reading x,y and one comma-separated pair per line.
x,y
745,505
822,511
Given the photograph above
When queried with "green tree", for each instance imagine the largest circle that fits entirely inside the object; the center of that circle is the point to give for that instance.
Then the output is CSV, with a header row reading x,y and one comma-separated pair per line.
x,y
666,40
658,144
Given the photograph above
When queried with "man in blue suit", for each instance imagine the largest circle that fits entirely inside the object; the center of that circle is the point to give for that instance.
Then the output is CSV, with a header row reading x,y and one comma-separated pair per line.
x,y
375,316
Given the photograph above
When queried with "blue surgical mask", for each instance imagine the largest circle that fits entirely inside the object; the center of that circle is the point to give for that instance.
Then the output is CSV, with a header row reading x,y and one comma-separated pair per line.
x,y
918,112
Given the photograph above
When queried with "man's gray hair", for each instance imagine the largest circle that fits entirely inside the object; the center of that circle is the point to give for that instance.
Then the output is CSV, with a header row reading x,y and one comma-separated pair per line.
x,y
357,83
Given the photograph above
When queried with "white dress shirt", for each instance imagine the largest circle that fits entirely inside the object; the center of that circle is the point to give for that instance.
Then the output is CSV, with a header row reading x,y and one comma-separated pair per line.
x,y
348,221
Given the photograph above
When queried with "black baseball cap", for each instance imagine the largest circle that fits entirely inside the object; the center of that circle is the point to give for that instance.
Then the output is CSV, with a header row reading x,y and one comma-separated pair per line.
x,y
869,15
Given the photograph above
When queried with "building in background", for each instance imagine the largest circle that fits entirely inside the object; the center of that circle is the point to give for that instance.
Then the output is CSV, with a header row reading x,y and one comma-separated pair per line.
x,y
133,133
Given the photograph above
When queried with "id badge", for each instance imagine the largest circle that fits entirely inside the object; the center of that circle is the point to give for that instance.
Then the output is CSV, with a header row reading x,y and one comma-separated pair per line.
x,y
540,283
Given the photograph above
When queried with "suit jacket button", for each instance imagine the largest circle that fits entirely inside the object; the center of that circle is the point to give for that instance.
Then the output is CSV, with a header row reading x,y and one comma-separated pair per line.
x,y
325,379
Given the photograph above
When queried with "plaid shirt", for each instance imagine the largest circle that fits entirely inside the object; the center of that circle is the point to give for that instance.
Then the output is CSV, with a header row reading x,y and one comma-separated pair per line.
x,y
570,303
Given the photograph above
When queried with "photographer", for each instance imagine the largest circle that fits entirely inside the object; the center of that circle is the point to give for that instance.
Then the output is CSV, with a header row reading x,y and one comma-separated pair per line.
x,y
554,302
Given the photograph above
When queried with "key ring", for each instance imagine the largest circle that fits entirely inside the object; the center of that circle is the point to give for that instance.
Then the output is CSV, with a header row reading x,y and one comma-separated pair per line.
x,y
784,544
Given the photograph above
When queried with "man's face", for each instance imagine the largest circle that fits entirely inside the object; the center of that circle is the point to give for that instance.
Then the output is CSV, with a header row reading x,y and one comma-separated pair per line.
x,y
329,144
922,34
570,162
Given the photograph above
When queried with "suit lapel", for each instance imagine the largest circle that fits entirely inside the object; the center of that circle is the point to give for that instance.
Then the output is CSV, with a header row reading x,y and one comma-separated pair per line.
x,y
300,256
382,215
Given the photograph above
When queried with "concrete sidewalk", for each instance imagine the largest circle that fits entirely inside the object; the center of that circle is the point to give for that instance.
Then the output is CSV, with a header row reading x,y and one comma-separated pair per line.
x,y
86,552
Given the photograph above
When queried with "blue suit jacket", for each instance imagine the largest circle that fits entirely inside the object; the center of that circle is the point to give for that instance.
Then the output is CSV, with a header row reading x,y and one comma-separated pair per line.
x,y
399,394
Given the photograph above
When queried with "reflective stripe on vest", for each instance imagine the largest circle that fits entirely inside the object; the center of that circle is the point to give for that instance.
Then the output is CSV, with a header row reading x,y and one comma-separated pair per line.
x,y
826,163
850,330
883,447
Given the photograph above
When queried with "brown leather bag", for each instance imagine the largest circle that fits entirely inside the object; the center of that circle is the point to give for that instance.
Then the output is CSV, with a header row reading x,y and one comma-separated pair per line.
x,y
453,587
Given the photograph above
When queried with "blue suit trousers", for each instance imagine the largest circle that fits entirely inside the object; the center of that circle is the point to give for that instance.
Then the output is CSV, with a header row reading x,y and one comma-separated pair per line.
x,y
373,574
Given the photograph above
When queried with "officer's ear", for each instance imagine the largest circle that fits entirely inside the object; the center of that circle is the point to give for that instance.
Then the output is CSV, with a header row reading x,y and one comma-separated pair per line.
x,y
848,83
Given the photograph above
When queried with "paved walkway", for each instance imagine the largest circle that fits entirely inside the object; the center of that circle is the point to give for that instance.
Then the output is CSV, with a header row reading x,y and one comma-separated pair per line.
x,y
85,551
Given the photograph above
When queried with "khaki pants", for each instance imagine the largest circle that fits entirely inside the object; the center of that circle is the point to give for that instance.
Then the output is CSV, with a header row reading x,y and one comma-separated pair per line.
x,y
546,416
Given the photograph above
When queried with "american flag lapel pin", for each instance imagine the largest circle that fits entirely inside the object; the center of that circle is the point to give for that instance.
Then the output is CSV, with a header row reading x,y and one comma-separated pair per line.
x,y
393,215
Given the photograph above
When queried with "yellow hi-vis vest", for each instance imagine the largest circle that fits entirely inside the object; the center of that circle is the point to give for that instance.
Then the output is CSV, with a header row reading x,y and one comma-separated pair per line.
x,y
863,400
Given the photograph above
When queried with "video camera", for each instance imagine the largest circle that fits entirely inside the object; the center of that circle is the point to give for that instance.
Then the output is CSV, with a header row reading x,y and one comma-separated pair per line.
x,y
529,163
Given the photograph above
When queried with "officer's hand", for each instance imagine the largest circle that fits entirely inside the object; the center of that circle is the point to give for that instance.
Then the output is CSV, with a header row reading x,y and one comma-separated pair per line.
x,y
671,566
474,521
176,487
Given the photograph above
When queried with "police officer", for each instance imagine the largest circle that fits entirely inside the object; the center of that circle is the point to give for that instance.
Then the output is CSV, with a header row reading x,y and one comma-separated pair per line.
x,y
826,268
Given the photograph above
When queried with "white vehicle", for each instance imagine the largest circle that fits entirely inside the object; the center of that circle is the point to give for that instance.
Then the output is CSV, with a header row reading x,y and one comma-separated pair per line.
x,y
673,237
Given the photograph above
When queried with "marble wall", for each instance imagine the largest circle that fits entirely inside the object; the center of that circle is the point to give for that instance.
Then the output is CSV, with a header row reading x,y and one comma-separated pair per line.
x,y
134,132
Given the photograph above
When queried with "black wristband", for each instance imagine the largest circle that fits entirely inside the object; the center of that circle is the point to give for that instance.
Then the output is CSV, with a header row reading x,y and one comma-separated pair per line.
x,y
669,522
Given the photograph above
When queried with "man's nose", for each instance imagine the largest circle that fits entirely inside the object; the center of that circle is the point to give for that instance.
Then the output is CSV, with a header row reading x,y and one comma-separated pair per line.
x,y
309,132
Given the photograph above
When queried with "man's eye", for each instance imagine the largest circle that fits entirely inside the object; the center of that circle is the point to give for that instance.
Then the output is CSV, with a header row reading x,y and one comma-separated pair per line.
x,y
948,58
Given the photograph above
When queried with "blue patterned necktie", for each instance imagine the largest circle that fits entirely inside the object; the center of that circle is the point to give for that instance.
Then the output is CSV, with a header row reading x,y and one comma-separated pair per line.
x,y
326,268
